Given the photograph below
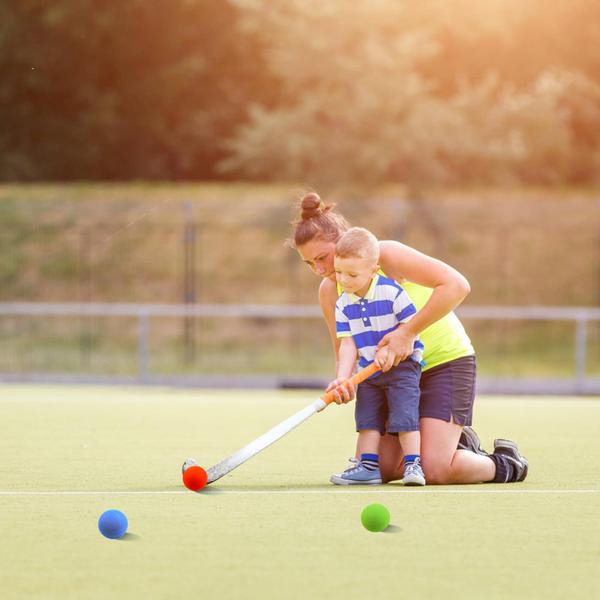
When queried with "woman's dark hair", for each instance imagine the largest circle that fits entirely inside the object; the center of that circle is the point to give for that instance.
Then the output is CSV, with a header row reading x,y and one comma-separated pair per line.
x,y
316,220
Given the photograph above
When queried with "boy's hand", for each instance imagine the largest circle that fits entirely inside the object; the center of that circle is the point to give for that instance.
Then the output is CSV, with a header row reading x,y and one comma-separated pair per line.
x,y
343,390
400,345
383,359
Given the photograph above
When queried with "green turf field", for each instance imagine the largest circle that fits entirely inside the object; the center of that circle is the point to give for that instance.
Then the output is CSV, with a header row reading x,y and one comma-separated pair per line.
x,y
275,527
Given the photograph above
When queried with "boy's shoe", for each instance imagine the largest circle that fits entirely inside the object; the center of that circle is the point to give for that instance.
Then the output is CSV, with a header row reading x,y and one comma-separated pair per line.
x,y
510,450
357,474
352,463
469,440
413,474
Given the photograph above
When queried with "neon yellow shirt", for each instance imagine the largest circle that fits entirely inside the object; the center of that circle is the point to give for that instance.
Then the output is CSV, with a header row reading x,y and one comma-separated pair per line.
x,y
446,339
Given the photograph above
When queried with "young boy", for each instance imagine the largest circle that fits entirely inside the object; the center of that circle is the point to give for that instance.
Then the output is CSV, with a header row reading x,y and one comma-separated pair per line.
x,y
369,306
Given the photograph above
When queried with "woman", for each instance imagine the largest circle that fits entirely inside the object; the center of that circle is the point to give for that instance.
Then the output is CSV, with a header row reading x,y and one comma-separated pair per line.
x,y
448,380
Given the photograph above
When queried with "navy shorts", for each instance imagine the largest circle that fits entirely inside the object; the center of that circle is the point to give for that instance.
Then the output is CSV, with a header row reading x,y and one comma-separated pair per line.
x,y
448,391
393,397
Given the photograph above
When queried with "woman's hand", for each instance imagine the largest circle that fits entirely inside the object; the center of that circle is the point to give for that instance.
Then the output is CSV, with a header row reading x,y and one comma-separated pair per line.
x,y
399,344
343,390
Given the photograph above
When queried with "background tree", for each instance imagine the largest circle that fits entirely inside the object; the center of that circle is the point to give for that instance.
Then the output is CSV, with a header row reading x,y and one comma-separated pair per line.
x,y
368,91
368,97
95,89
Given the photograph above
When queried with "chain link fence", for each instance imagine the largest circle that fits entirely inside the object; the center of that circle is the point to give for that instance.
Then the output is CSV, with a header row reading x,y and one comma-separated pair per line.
x,y
102,247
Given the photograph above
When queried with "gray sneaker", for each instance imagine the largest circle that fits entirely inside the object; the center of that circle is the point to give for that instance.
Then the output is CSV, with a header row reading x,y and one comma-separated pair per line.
x,y
357,474
352,464
413,474
469,440
510,450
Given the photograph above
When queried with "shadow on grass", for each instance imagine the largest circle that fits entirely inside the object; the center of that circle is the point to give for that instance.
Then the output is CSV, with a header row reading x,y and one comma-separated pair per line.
x,y
310,487
166,489
392,529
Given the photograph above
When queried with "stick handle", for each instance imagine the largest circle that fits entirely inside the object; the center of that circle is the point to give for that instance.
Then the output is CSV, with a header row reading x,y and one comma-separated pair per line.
x,y
355,379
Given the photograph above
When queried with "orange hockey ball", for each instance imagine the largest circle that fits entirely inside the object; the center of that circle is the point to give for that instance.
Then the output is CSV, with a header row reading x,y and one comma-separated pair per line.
x,y
195,478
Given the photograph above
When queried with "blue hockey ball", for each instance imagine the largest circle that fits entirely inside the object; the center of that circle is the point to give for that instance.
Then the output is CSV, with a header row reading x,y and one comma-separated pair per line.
x,y
112,524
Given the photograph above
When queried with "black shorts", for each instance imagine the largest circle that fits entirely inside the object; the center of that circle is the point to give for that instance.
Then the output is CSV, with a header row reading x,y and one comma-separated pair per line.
x,y
448,391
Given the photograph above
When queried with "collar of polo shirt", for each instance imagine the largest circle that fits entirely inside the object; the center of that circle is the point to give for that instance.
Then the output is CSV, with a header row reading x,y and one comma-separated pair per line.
x,y
370,292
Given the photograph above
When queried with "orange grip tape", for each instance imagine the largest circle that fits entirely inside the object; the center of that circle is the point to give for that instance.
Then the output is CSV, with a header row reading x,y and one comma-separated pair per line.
x,y
355,379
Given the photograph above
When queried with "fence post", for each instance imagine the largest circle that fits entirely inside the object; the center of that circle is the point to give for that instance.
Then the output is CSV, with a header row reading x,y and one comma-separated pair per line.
x,y
580,353
189,281
143,355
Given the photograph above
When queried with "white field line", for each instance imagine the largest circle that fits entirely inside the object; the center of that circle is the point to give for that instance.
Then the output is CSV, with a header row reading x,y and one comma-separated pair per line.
x,y
297,491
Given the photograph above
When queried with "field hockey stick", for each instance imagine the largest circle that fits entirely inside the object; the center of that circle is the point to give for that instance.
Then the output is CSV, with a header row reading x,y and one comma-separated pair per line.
x,y
241,456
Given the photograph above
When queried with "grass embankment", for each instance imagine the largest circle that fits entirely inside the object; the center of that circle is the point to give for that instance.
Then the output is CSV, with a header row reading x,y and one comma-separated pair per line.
x,y
126,243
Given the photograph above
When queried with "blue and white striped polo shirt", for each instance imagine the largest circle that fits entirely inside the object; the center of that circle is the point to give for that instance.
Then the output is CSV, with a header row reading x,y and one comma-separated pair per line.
x,y
368,319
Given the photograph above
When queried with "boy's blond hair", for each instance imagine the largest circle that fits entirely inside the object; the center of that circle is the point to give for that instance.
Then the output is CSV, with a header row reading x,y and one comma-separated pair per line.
x,y
358,242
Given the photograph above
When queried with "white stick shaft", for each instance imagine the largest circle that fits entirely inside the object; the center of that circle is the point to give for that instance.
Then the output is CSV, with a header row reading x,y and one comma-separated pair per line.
x,y
243,454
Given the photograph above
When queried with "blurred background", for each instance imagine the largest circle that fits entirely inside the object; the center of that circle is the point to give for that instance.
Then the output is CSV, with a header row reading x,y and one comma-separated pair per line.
x,y
151,154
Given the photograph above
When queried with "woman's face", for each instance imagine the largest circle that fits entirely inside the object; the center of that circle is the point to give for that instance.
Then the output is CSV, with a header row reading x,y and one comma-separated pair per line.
x,y
318,255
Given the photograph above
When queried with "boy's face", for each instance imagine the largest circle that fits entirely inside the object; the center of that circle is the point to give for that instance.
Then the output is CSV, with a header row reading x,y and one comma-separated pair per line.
x,y
354,274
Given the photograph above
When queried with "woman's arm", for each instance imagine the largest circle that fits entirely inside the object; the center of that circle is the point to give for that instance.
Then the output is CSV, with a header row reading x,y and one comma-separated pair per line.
x,y
450,288
327,300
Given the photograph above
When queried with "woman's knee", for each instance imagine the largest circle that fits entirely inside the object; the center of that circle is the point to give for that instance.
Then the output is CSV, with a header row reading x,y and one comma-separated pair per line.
x,y
436,472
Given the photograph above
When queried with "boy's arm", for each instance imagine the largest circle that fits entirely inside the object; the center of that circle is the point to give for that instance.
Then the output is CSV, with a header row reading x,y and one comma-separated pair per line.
x,y
346,358
345,367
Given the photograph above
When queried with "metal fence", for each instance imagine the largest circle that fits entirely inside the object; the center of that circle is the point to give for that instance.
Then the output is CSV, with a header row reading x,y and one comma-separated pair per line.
x,y
286,328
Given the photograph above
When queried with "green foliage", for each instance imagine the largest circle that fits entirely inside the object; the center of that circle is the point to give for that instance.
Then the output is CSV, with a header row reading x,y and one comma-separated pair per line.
x,y
321,92
119,90
364,102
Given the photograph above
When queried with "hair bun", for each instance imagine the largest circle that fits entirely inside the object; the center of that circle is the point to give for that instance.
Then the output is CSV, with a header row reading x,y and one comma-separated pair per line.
x,y
316,220
311,206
